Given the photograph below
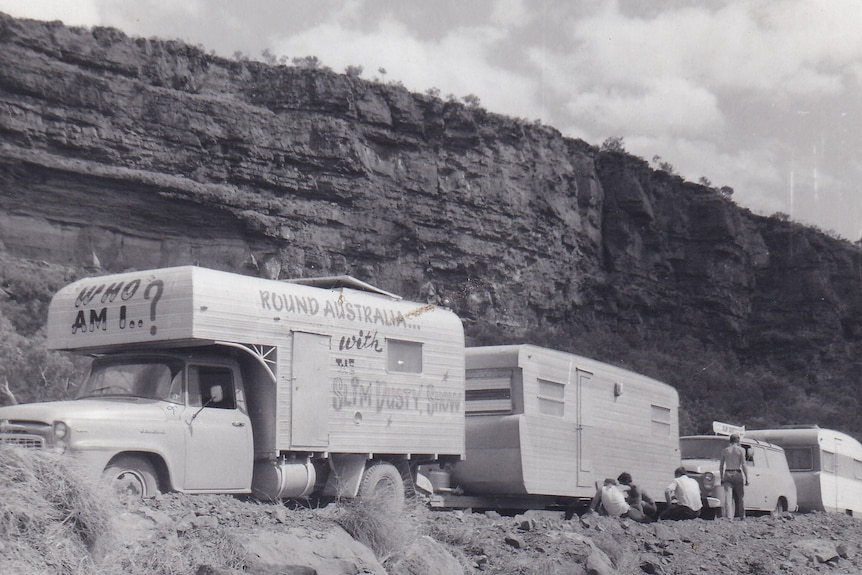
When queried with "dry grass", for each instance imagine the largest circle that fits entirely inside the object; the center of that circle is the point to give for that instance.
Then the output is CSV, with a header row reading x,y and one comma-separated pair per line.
x,y
53,518
173,555
383,530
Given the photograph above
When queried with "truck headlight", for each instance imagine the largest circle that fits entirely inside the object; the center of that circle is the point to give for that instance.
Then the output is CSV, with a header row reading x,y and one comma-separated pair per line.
x,y
61,435
708,480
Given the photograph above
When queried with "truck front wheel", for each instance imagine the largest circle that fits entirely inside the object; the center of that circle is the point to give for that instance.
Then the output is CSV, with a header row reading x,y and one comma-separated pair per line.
x,y
132,475
382,485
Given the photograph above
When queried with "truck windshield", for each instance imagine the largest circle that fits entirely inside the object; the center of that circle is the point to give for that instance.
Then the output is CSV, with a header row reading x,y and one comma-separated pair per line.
x,y
701,448
144,378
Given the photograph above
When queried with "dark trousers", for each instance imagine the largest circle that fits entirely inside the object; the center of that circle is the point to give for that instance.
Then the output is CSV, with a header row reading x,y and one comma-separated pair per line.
x,y
678,512
734,483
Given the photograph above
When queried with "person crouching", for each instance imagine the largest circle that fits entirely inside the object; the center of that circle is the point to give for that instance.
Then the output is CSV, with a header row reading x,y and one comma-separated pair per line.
x,y
610,498
683,497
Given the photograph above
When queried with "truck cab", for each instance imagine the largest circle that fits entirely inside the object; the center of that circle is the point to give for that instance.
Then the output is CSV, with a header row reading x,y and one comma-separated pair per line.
x,y
206,381
150,420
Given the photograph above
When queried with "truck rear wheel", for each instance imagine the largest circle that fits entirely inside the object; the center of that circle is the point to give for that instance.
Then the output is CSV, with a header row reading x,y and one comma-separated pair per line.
x,y
382,485
133,476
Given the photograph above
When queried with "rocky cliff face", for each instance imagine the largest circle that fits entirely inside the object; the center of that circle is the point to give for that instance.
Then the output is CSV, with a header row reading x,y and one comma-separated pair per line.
x,y
122,153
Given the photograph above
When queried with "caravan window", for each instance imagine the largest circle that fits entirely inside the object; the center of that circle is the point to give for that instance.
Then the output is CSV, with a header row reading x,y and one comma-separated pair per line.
x,y
403,356
552,398
660,421
827,461
489,391
799,458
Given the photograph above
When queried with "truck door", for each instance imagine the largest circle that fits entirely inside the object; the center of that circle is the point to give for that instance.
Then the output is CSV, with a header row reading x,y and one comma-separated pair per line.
x,y
219,449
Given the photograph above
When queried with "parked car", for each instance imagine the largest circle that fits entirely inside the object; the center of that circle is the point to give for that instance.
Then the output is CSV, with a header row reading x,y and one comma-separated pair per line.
x,y
771,486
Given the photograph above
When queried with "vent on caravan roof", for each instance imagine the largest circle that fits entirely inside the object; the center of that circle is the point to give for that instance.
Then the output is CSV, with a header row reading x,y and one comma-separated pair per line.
x,y
335,282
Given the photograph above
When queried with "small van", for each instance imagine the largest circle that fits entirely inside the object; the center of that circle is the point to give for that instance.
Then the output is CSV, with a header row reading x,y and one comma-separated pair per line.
x,y
771,486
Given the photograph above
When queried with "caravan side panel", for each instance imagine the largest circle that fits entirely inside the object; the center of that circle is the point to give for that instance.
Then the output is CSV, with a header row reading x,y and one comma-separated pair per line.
x,y
611,420
579,420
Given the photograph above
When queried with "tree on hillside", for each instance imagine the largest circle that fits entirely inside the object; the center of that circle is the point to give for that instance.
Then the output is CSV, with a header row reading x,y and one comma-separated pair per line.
x,y
472,100
311,62
662,165
613,144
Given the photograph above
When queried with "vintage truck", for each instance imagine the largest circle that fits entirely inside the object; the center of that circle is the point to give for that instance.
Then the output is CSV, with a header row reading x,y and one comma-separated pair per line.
x,y
205,381
211,382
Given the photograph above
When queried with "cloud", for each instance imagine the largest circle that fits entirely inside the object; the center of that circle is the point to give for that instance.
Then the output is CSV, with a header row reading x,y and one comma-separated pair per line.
x,y
662,105
510,13
78,13
459,62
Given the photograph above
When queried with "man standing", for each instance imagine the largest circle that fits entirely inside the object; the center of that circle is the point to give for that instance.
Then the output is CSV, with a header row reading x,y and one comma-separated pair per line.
x,y
732,471
683,497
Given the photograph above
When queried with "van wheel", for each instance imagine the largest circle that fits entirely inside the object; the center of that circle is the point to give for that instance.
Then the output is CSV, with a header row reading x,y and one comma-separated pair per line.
x,y
780,506
382,486
132,476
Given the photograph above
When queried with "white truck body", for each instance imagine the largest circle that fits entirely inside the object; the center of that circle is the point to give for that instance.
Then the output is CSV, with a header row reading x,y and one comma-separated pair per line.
x,y
545,427
279,388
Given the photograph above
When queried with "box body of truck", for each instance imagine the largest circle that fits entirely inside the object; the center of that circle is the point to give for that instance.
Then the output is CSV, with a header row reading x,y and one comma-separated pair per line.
x,y
322,379
546,426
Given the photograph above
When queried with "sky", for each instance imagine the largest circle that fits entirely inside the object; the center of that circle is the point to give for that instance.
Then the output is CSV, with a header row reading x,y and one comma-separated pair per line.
x,y
764,96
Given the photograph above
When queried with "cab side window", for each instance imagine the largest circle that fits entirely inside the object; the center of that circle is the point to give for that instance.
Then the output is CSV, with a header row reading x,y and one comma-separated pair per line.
x,y
211,386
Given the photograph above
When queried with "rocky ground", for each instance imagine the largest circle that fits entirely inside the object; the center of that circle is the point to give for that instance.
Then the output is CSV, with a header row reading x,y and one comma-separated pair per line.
x,y
238,536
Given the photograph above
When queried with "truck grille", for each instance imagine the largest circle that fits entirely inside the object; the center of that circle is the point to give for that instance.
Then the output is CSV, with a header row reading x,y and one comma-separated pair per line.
x,y
27,434
27,441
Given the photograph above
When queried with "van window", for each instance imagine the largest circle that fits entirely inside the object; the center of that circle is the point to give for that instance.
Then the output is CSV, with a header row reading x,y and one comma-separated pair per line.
x,y
799,458
403,356
857,468
750,457
211,386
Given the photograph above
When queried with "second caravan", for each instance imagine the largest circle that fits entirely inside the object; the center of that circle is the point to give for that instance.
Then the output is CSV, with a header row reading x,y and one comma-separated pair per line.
x,y
544,426
826,466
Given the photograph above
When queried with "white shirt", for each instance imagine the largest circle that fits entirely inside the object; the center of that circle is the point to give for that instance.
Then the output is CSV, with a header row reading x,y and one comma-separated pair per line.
x,y
614,501
687,492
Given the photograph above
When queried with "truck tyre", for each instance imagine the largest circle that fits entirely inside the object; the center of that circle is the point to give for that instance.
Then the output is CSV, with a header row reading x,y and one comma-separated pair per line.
x,y
382,485
133,476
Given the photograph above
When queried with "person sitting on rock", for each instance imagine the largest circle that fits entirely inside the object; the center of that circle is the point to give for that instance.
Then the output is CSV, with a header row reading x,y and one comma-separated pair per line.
x,y
610,499
635,496
683,497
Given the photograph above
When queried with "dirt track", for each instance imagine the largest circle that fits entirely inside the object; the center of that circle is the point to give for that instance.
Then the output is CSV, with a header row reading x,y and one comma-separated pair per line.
x,y
543,542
